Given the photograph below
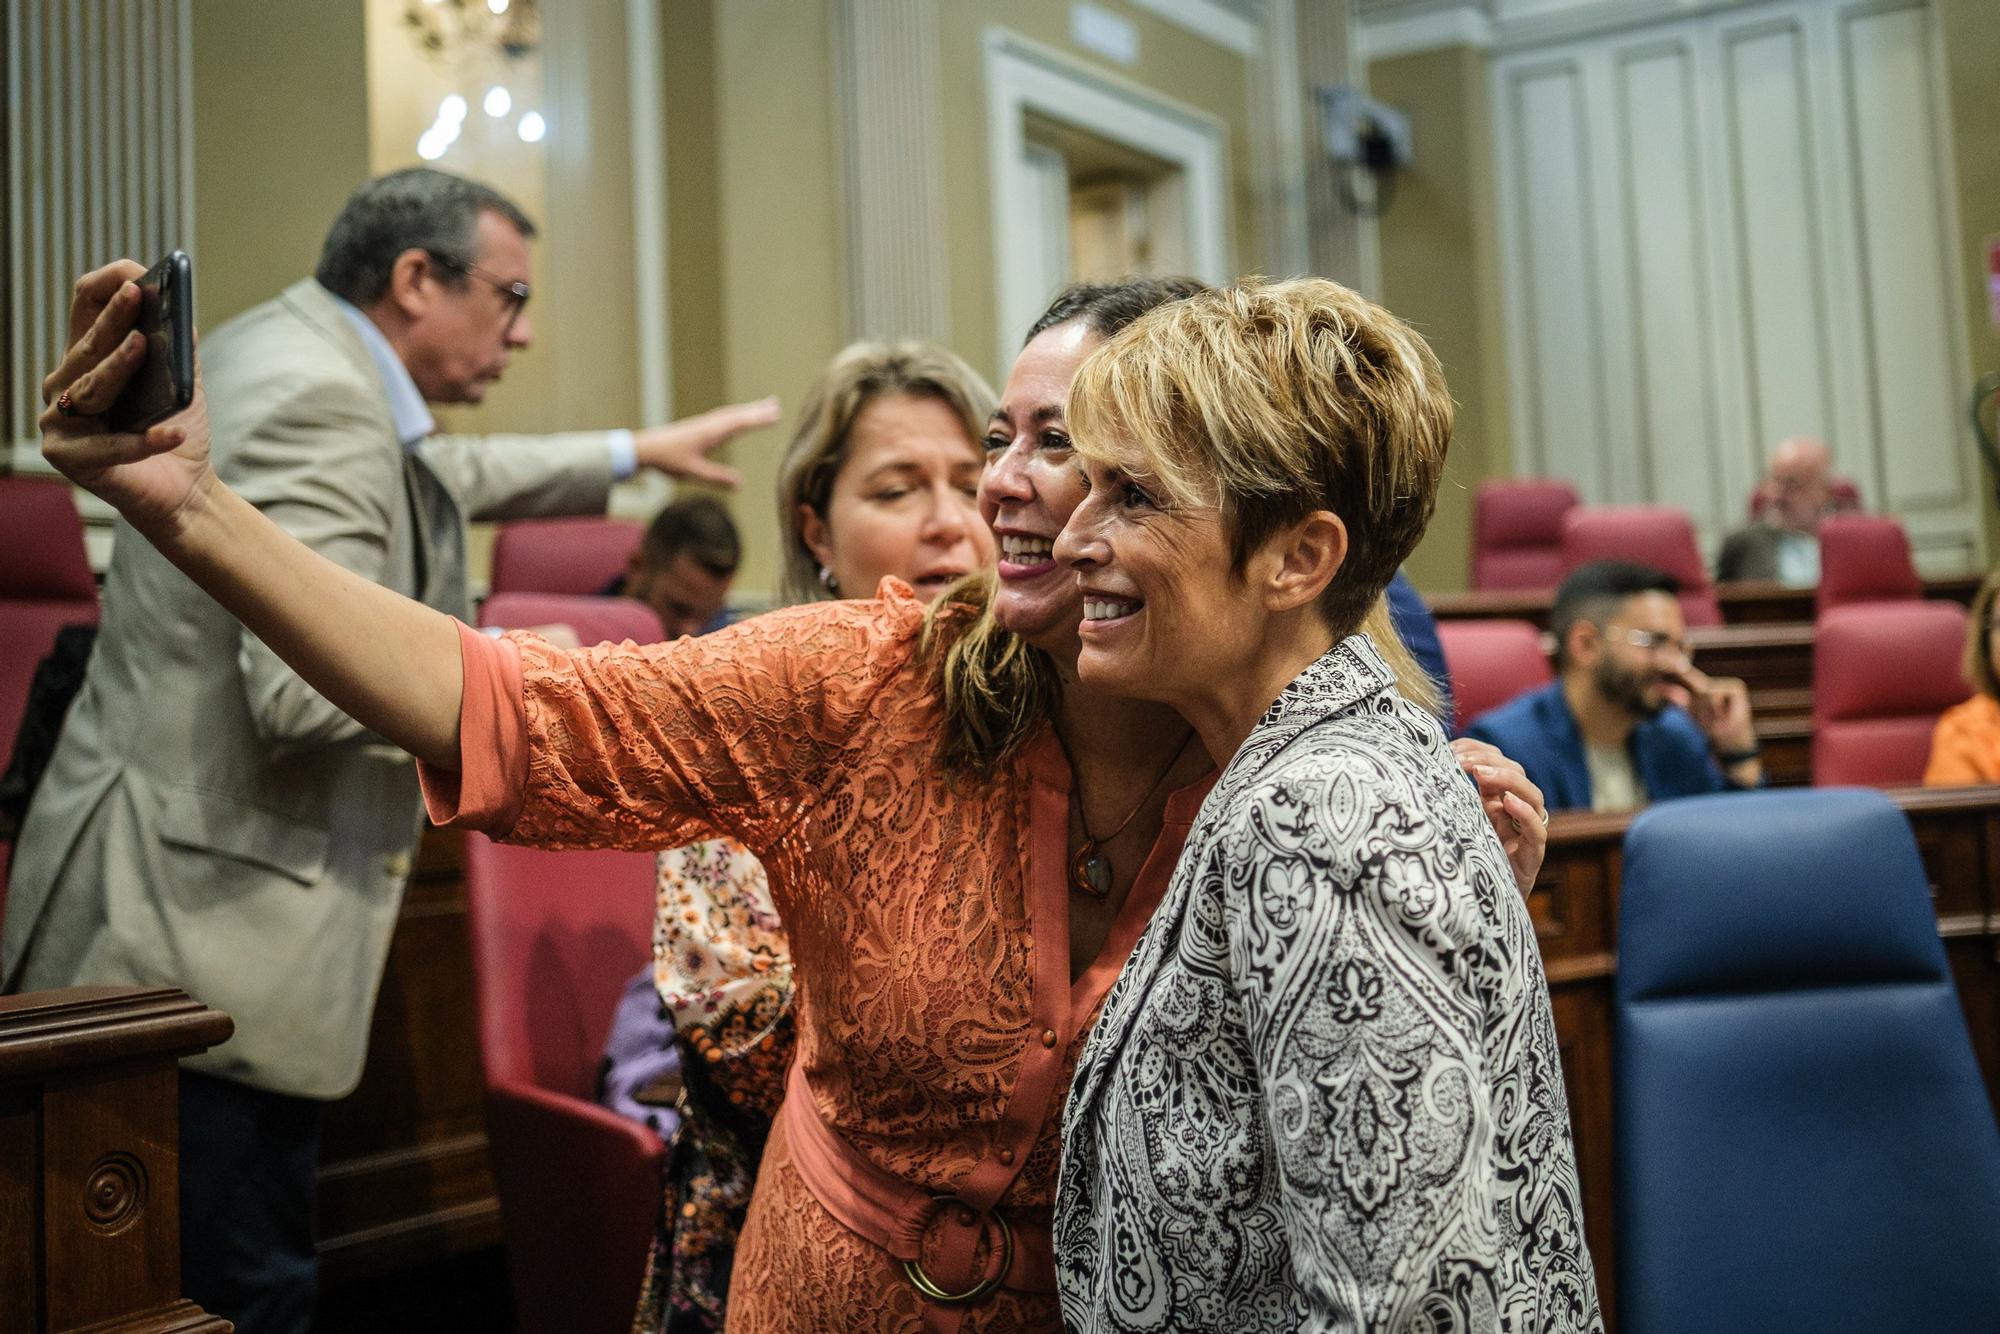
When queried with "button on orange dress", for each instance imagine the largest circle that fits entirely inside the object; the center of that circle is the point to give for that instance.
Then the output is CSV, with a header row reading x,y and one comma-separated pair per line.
x,y
938,1025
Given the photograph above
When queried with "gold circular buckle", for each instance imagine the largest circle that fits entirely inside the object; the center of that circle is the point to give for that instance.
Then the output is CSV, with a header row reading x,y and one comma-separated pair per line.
x,y
978,1292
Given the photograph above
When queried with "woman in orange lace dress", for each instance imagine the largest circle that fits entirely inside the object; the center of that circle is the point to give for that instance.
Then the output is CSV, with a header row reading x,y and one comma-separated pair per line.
x,y
881,480
959,896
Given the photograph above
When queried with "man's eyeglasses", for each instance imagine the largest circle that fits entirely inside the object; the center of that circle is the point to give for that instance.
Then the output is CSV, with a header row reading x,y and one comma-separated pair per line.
x,y
1648,641
517,294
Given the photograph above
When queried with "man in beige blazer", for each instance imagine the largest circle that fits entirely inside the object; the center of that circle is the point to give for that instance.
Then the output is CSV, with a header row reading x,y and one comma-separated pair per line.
x,y
209,821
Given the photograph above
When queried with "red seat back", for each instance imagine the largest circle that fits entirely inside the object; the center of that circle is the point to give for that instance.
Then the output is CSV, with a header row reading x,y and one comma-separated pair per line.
x,y
1656,535
1843,497
1517,533
1865,558
1491,662
595,620
580,556
1882,673
555,937
45,584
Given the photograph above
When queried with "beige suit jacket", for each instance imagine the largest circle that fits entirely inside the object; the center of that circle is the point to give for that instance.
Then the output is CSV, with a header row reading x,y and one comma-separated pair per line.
x,y
209,821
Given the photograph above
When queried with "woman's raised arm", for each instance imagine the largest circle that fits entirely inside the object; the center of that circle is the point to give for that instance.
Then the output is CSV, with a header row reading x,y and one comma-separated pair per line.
x,y
387,661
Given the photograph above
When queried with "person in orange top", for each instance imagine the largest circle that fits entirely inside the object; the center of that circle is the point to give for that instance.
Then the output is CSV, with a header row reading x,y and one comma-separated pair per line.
x,y
1965,749
963,840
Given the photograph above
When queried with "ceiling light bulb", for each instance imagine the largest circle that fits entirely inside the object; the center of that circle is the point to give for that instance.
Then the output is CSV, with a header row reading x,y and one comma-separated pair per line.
x,y
497,6
429,147
498,101
452,109
533,127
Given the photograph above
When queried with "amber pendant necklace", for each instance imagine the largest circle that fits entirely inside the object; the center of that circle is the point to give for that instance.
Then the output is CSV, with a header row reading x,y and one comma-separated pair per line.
x,y
1089,867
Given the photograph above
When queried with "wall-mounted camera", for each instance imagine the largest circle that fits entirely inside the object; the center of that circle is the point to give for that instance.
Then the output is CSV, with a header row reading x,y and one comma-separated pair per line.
x,y
1368,141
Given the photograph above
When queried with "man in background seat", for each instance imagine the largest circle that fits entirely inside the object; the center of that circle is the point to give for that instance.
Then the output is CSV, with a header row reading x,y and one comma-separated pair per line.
x,y
683,566
1628,719
1782,542
209,821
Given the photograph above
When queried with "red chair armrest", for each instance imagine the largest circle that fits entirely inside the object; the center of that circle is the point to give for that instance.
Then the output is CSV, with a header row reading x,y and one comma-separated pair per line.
x,y
580,1195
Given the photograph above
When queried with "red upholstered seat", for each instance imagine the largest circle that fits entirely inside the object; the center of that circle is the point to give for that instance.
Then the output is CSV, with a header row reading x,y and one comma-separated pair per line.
x,y
555,936
1882,673
1656,535
1491,662
579,556
595,620
1517,533
45,584
1843,497
1865,558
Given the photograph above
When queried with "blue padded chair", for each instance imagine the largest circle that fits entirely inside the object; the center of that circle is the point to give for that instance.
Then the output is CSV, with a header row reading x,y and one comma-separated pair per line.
x,y
1803,1139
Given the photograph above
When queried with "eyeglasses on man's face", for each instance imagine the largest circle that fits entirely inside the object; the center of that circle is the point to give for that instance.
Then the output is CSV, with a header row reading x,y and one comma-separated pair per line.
x,y
1648,641
515,294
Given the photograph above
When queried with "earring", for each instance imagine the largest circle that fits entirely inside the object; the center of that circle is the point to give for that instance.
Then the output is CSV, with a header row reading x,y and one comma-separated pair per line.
x,y
826,578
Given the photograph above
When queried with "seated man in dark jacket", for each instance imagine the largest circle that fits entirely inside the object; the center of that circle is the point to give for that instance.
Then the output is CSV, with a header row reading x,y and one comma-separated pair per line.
x,y
1628,719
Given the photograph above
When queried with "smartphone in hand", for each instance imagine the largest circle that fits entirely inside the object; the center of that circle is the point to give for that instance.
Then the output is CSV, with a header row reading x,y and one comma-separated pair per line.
x,y
164,383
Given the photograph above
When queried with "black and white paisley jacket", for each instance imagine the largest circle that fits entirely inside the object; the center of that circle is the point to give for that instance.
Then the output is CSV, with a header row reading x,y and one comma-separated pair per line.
x,y
1325,1092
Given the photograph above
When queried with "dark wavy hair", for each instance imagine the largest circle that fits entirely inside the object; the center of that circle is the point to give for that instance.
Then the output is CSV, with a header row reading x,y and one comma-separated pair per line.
x,y
996,687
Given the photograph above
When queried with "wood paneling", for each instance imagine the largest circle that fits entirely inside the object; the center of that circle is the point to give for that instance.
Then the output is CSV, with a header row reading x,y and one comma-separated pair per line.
x,y
404,1172
89,1158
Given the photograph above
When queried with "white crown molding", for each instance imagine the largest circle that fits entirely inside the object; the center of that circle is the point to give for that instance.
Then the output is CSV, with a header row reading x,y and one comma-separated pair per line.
x,y
1427,25
1383,36
1222,24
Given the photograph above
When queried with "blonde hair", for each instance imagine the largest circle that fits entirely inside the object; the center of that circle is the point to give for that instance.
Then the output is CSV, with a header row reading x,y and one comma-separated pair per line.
x,y
1978,661
1271,400
996,687
859,374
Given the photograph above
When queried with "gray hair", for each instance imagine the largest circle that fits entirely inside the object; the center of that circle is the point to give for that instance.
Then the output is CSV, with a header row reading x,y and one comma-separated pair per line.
x,y
417,208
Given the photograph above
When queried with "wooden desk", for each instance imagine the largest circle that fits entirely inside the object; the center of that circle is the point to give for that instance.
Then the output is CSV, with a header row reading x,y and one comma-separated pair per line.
x,y
1575,907
90,1159
1749,603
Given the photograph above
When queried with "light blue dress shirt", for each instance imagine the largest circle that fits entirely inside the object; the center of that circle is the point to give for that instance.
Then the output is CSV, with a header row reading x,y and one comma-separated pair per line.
x,y
412,416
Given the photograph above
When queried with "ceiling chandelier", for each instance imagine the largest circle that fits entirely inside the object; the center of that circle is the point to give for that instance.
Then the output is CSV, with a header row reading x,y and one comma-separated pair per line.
x,y
474,43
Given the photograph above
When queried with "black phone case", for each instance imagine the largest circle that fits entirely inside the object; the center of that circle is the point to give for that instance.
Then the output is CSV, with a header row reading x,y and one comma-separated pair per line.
x,y
164,382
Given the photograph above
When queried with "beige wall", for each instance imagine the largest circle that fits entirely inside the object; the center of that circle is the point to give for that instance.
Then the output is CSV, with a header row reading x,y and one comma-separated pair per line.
x,y
1439,272
753,185
1172,62
281,137
1971,34
757,277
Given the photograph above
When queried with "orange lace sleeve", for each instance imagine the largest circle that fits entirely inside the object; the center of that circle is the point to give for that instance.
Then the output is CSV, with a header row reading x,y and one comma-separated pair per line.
x,y
734,733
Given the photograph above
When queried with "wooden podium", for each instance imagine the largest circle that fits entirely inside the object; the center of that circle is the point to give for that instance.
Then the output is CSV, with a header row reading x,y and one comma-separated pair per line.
x,y
89,1164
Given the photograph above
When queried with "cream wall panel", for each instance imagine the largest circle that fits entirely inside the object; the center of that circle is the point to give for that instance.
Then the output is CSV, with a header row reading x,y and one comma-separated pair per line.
x,y
1901,217
1668,279
1772,196
1772,256
1555,335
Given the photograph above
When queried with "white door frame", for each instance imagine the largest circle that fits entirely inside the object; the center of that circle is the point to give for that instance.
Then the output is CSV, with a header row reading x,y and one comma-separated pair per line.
x,y
1024,76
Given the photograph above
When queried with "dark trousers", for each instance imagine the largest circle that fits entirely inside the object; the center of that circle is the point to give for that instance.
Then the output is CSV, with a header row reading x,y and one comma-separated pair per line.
x,y
248,1165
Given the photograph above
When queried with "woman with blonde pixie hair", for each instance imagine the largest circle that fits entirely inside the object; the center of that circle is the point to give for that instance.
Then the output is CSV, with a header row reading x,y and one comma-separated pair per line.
x,y
1325,1091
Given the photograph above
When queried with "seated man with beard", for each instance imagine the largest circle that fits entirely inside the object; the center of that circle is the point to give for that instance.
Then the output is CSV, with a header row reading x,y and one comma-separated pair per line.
x,y
1628,719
